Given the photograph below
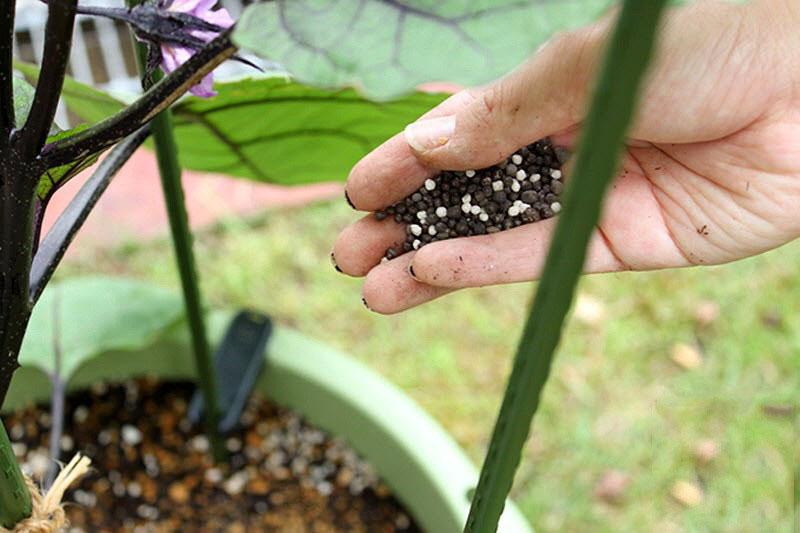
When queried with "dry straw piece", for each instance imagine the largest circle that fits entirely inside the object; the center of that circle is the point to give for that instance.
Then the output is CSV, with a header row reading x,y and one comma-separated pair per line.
x,y
47,514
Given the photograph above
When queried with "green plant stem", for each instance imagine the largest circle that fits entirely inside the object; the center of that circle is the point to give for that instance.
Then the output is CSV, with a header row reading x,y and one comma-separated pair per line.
x,y
170,170
15,500
597,161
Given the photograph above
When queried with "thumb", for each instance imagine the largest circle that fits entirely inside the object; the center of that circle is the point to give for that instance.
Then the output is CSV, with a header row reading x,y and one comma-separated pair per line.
x,y
545,95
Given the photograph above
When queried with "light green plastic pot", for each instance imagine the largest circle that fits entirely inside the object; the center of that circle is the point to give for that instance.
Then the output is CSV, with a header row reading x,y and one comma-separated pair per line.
x,y
425,468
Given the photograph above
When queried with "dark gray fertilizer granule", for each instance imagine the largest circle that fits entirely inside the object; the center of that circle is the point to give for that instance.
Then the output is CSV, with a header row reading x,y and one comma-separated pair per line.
x,y
524,188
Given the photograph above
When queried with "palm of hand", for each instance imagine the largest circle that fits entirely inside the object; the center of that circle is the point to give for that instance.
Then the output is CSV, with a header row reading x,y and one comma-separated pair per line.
x,y
711,174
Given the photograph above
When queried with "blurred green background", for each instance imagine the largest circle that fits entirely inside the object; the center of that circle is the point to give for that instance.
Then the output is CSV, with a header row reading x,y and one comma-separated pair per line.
x,y
673,404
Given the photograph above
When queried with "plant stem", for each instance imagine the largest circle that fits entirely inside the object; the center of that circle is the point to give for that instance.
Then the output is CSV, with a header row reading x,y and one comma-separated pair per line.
x,y
55,244
16,231
170,171
57,397
156,99
597,160
57,45
6,80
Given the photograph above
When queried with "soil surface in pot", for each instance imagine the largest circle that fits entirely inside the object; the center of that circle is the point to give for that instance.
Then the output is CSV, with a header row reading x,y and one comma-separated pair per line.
x,y
152,470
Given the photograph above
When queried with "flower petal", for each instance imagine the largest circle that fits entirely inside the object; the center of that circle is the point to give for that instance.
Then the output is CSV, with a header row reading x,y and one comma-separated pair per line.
x,y
204,89
173,56
195,7
220,17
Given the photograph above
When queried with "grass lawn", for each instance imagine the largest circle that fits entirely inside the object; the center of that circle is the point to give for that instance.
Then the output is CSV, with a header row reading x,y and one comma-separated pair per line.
x,y
616,401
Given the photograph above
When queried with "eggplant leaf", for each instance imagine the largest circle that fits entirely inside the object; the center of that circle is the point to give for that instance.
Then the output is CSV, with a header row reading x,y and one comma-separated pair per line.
x,y
278,131
385,48
85,317
23,99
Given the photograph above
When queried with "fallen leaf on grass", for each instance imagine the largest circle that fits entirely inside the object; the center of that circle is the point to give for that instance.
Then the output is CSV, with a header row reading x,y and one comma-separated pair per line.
x,y
687,493
706,313
706,450
785,410
686,356
589,310
611,486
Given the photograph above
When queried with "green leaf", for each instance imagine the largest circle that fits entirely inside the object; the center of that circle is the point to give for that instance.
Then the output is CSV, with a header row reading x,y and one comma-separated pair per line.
x,y
23,99
88,103
56,176
85,317
387,47
275,130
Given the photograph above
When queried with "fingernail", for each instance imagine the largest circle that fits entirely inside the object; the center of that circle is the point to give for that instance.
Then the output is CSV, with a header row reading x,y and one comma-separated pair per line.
x,y
364,301
348,200
425,135
333,262
411,271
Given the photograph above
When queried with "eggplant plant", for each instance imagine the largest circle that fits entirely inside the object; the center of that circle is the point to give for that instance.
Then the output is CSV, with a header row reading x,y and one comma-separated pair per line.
x,y
299,125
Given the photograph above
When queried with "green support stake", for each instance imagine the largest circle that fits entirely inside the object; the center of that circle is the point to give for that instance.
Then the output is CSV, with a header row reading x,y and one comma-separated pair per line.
x,y
170,171
15,500
596,163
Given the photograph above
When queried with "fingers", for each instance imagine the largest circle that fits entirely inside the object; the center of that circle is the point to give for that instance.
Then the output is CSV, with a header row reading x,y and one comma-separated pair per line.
x,y
389,289
505,257
545,95
362,244
391,172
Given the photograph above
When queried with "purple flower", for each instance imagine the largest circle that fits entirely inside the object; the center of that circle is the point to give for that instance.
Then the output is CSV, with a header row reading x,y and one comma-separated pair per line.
x,y
173,56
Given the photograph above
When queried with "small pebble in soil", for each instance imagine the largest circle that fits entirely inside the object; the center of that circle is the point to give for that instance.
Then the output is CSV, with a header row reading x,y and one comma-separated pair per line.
x,y
152,472
522,189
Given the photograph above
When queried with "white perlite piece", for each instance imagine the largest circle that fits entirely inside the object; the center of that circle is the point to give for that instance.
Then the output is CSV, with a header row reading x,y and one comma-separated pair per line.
x,y
536,177
516,159
430,184
484,217
513,211
416,244
521,174
431,230
131,435
467,198
422,215
475,210
441,211
497,186
556,207
415,229
515,186
470,173
555,174
465,208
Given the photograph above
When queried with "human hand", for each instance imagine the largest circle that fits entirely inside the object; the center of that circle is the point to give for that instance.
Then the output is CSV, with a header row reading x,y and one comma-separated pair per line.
x,y
710,174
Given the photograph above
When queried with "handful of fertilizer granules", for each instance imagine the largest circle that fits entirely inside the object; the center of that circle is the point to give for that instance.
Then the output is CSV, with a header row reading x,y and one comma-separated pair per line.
x,y
524,188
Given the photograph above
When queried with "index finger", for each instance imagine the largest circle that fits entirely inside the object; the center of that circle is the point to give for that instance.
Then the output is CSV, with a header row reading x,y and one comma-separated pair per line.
x,y
391,171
